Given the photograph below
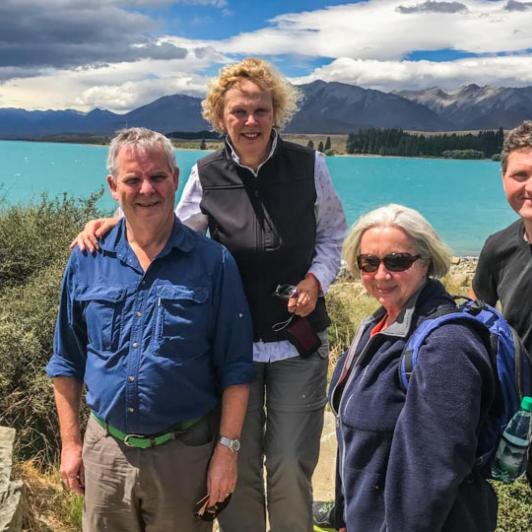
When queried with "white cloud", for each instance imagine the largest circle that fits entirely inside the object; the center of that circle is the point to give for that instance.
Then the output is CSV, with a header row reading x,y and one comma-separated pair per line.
x,y
214,3
377,29
366,43
389,75
118,87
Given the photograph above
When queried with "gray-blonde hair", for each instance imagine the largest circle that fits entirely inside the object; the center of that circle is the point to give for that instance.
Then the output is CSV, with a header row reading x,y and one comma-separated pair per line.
x,y
516,139
264,75
426,241
142,137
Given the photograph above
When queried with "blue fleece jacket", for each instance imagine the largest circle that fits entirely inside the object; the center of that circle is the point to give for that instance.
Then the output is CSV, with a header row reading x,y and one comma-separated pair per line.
x,y
406,460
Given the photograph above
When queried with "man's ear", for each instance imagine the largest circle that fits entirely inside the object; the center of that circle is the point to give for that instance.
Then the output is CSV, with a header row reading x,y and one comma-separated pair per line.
x,y
176,177
111,183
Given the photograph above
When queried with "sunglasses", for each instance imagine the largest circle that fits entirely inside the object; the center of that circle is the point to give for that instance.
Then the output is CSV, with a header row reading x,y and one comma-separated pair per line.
x,y
394,262
209,513
285,291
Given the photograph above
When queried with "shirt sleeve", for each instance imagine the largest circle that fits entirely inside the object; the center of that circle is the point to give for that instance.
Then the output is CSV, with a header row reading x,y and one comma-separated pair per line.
x,y
435,440
330,226
188,208
70,338
484,282
233,331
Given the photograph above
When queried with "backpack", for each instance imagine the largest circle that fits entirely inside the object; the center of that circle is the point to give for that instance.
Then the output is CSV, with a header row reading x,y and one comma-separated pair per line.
x,y
510,360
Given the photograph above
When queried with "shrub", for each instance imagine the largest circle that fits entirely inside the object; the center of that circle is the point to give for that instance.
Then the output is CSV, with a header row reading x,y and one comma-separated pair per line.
x,y
34,244
34,236
515,506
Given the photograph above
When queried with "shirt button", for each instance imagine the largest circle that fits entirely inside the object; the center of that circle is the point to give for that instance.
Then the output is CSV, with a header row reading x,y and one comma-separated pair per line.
x,y
138,314
131,378
131,410
135,344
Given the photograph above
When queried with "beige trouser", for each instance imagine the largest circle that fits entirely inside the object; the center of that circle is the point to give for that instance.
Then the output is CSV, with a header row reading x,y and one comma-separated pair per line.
x,y
148,490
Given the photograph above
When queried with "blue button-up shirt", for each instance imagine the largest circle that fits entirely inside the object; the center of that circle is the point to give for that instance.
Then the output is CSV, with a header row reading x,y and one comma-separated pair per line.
x,y
158,347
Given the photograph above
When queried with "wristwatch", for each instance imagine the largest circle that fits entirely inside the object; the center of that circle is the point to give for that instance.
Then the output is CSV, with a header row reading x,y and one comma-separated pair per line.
x,y
234,445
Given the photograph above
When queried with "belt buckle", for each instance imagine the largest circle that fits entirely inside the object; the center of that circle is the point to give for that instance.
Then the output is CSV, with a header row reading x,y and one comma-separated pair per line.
x,y
127,437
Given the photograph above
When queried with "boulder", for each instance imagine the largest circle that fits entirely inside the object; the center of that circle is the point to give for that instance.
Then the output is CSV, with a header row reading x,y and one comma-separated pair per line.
x,y
10,490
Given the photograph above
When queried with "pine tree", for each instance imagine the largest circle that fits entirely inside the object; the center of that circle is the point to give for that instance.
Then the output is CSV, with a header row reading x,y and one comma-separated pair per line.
x,y
328,144
320,146
203,145
310,144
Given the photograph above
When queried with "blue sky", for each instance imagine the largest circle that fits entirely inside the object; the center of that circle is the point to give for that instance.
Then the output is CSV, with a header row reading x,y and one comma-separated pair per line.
x,y
236,17
119,54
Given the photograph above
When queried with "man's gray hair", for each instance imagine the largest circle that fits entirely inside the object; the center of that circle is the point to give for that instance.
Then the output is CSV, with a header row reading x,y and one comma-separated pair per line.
x,y
516,139
428,244
143,138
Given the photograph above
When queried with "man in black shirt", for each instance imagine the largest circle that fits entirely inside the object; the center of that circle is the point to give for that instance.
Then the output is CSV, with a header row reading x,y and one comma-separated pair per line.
x,y
504,271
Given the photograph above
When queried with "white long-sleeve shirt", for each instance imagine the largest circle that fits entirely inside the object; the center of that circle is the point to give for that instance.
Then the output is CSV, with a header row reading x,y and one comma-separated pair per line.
x,y
330,232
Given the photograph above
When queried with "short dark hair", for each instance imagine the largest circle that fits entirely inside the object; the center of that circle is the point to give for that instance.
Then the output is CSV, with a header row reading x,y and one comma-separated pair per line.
x,y
516,139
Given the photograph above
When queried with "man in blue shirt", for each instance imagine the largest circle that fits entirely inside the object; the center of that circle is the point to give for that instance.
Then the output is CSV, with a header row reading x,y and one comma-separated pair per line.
x,y
156,325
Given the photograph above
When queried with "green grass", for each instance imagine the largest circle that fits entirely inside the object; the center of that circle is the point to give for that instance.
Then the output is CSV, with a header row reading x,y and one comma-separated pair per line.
x,y
515,506
49,506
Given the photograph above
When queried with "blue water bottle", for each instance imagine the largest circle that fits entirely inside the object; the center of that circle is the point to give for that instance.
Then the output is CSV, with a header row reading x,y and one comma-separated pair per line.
x,y
510,459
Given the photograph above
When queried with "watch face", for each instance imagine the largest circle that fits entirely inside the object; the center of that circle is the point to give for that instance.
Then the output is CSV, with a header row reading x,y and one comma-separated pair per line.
x,y
234,445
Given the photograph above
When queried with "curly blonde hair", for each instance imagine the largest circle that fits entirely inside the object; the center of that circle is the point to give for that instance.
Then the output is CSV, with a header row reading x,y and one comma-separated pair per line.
x,y
284,96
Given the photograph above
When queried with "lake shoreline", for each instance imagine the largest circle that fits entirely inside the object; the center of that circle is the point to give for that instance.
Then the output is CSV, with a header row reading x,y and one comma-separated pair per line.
x,y
214,145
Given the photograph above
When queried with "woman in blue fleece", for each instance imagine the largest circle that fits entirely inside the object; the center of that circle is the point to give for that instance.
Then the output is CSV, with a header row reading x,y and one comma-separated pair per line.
x,y
406,461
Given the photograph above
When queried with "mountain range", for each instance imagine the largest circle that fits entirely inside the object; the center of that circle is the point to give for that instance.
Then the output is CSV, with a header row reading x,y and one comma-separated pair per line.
x,y
324,108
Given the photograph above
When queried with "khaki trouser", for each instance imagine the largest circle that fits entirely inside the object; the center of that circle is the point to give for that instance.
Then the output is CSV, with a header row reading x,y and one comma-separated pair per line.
x,y
148,490
282,431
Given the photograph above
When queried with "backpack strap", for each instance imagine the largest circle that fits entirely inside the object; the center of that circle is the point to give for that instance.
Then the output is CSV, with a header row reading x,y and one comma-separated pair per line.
x,y
410,353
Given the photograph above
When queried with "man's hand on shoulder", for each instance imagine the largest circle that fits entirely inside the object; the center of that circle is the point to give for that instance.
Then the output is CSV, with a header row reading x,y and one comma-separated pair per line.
x,y
71,468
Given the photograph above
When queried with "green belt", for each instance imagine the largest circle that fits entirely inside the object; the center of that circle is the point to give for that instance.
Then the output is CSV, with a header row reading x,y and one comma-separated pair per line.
x,y
144,442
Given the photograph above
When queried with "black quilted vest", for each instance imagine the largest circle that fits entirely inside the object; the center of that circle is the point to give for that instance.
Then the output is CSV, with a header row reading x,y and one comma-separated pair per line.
x,y
268,224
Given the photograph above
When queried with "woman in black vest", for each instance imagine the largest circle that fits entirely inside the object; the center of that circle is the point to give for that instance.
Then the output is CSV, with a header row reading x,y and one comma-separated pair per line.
x,y
272,204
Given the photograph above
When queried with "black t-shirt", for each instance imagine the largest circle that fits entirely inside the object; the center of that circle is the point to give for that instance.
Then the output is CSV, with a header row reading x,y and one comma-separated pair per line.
x,y
504,273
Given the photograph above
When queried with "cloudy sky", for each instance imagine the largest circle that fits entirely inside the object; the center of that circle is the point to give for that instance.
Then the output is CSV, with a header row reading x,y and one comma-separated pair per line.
x,y
119,54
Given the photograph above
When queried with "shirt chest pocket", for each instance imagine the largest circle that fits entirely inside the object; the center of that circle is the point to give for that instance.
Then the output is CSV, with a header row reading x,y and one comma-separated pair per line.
x,y
103,306
182,323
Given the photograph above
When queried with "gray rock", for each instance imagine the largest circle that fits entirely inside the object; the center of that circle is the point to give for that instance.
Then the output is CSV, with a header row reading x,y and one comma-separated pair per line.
x,y
11,508
10,490
7,439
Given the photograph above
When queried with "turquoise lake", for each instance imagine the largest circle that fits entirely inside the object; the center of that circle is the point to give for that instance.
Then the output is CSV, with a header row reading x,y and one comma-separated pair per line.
x,y
462,199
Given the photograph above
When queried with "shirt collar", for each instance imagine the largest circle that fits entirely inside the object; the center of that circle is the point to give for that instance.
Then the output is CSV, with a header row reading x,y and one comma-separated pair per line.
x,y
403,323
236,158
180,238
